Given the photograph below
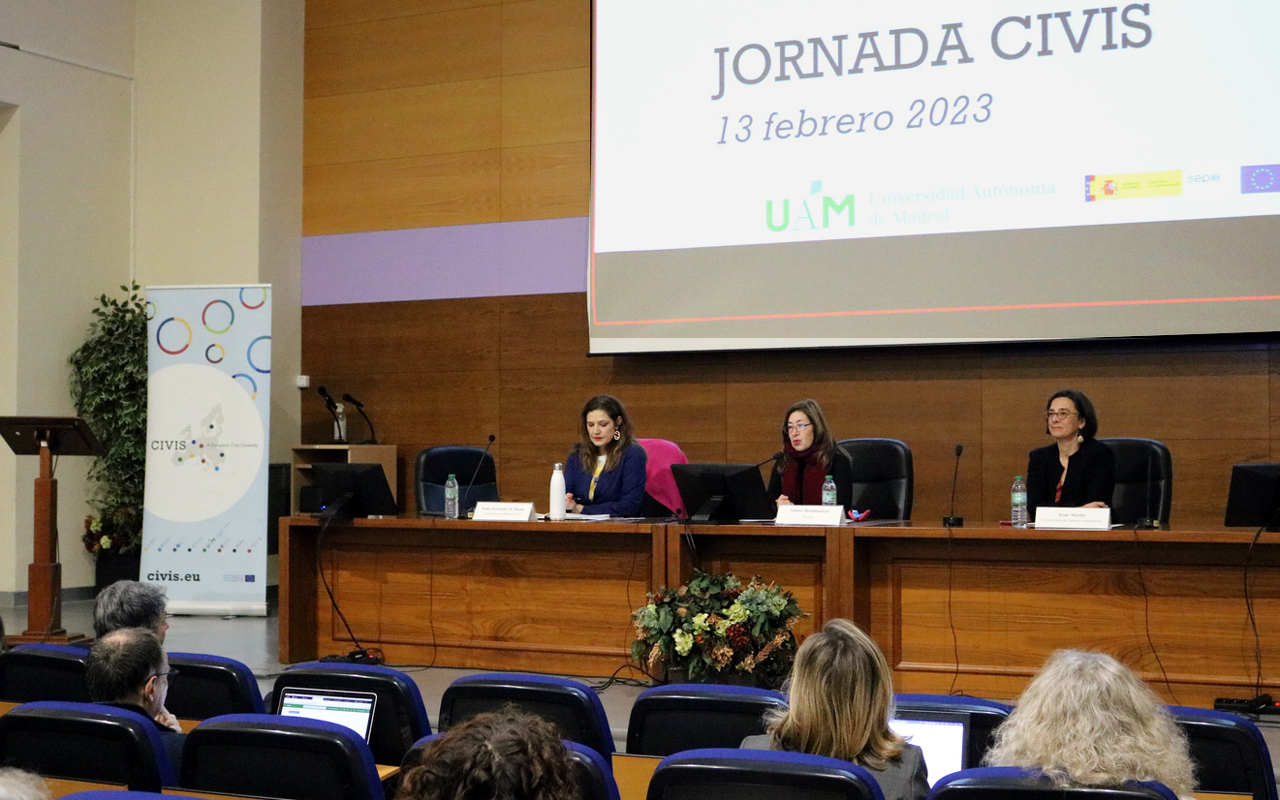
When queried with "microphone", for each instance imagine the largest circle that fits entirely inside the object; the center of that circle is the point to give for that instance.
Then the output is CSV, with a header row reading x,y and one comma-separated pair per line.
x,y
952,521
1148,523
373,437
332,406
774,458
462,499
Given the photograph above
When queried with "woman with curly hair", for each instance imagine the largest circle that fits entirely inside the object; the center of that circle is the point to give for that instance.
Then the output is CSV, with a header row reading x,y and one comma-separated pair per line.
x,y
1087,720
841,699
506,756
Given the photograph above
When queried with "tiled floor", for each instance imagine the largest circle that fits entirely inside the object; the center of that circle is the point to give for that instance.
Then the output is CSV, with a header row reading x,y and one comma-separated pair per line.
x,y
254,640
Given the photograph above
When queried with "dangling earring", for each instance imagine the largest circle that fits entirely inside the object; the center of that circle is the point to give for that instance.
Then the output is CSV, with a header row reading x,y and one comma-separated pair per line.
x,y
617,435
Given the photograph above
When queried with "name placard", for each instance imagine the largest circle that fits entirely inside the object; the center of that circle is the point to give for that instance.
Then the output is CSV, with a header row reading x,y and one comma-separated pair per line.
x,y
1073,519
491,511
809,515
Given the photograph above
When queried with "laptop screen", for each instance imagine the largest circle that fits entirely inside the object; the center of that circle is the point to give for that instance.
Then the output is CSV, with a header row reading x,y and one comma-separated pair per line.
x,y
941,736
350,709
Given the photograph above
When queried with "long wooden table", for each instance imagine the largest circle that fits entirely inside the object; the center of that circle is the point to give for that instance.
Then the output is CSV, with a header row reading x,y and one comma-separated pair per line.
x,y
974,609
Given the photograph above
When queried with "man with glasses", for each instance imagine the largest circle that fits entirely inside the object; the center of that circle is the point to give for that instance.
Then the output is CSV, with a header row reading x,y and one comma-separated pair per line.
x,y
128,669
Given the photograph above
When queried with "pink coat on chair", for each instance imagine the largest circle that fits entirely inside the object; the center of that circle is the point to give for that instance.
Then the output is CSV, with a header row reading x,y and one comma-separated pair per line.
x,y
660,483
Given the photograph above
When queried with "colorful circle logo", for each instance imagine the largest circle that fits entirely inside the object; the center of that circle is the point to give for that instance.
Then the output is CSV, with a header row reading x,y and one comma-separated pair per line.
x,y
260,302
160,333
209,354
253,385
149,308
249,354
217,314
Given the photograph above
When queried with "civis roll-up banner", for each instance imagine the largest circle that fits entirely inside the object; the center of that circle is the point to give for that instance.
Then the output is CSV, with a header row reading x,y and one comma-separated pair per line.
x,y
204,530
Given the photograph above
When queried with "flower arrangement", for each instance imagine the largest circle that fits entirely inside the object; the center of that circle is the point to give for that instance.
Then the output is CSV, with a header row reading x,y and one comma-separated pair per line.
x,y
110,537
714,627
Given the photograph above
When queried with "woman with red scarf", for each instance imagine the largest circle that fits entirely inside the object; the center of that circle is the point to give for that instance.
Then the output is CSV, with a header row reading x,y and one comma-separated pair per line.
x,y
809,455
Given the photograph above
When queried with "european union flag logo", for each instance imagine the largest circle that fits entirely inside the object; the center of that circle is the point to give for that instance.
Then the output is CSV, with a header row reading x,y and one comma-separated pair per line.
x,y
1260,178
248,578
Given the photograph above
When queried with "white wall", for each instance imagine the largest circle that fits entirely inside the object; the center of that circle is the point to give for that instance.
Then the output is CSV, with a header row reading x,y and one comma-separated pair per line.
x,y
73,141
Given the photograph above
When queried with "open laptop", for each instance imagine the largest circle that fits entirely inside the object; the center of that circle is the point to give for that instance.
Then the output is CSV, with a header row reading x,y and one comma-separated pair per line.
x,y
943,736
350,709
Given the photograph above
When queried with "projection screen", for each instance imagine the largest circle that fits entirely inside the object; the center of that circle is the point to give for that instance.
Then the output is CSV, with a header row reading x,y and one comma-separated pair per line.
x,y
835,173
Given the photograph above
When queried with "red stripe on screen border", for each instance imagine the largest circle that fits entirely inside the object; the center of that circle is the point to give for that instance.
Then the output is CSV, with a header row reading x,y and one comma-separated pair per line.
x,y
943,310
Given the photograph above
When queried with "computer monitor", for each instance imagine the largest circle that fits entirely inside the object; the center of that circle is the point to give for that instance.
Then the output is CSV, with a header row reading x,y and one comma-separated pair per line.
x,y
723,492
353,710
1254,498
354,490
941,735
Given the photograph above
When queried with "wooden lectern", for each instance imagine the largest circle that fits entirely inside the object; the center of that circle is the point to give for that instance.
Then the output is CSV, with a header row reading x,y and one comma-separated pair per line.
x,y
47,437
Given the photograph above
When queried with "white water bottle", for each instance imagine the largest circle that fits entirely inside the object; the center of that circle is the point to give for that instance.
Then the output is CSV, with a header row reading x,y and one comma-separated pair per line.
x,y
829,491
557,493
340,424
451,498
1018,495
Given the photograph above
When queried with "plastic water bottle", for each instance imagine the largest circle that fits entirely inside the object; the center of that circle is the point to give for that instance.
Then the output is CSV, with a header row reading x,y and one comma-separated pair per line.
x,y
557,493
1018,495
340,424
829,491
451,498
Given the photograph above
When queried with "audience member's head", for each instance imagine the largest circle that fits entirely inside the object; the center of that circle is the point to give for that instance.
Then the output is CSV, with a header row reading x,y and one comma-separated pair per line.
x,y
130,604
840,695
128,666
505,756
1087,720
17,784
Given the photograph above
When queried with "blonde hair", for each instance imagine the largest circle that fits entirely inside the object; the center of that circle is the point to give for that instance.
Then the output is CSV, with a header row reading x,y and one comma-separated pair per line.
x,y
841,698
1086,719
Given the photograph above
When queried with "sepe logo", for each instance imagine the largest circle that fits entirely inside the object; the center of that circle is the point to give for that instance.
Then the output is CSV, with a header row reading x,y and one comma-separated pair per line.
x,y
816,211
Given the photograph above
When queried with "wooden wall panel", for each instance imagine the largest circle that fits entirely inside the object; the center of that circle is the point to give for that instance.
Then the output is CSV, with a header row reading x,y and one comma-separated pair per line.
x,y
406,51
546,108
545,35
402,123
327,13
546,182
518,368
452,189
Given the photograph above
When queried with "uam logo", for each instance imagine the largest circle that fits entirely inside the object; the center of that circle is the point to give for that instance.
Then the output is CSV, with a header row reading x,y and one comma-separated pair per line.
x,y
811,213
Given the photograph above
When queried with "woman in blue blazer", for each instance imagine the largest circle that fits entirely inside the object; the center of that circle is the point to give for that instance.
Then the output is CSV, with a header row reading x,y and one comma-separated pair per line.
x,y
605,471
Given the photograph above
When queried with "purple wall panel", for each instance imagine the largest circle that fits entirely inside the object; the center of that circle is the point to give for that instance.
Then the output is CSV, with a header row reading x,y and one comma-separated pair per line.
x,y
502,258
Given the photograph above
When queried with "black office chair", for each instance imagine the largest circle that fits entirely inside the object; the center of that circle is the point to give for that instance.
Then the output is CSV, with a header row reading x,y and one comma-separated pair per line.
x,y
1144,480
1016,783
687,716
984,717
570,705
883,477
1229,752
209,686
436,464
264,755
43,672
399,719
86,742
725,774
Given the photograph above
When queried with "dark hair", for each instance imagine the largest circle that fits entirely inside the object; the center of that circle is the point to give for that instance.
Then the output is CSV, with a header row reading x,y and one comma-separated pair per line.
x,y
128,604
613,449
1083,408
503,756
822,438
121,663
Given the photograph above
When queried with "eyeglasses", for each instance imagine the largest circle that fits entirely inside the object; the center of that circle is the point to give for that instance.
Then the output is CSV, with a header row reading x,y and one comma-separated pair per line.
x,y
165,674
1059,414
797,427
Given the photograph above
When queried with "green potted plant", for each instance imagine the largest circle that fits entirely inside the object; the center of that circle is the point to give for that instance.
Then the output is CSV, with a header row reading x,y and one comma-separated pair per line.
x,y
715,630
109,390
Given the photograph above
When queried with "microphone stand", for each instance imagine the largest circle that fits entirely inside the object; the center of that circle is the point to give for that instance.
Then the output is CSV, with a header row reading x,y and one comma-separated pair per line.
x,y
952,521
373,437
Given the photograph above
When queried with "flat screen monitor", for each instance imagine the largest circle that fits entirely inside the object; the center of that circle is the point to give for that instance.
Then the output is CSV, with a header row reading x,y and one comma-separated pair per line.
x,y
723,492
353,710
941,735
354,490
1254,498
